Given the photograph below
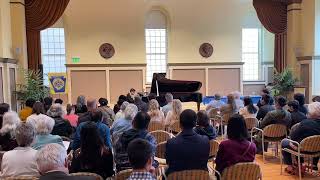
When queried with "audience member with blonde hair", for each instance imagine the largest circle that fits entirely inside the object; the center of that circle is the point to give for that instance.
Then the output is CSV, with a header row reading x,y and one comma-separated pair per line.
x,y
155,113
174,114
21,160
61,127
7,133
306,128
43,128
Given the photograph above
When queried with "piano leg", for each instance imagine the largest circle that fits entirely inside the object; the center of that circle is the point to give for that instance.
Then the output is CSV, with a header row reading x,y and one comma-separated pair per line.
x,y
198,105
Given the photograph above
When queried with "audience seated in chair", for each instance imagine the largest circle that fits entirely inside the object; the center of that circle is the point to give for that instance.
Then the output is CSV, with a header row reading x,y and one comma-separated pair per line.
x,y
238,101
7,133
62,127
140,125
142,106
301,99
204,127
168,107
277,116
140,154
155,113
4,107
237,148
107,113
122,125
21,160
261,102
217,103
93,156
38,113
174,114
47,102
43,127
27,110
265,106
81,106
249,110
230,108
188,150
120,113
71,116
104,131
87,116
121,99
52,165
306,128
296,115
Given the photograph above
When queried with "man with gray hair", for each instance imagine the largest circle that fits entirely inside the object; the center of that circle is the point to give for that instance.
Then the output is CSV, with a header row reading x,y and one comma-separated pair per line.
x,y
168,107
123,124
21,160
52,164
217,103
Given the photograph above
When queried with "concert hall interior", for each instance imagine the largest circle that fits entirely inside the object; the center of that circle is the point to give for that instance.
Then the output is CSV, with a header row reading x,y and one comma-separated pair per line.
x,y
213,80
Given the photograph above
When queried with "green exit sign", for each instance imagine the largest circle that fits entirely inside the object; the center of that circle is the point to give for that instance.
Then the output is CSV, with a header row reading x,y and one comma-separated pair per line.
x,y
75,60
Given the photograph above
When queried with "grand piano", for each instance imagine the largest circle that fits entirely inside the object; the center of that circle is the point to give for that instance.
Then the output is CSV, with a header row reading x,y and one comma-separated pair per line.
x,y
185,91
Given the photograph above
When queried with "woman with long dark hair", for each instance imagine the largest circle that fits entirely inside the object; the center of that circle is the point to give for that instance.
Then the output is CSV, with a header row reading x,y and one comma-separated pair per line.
x,y
236,148
93,156
249,110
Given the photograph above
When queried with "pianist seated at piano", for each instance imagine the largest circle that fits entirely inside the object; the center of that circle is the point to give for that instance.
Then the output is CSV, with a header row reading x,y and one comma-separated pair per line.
x,y
155,113
174,114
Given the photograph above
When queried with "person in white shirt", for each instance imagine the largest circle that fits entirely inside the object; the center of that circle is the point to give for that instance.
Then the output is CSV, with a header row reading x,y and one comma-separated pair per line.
x,y
217,103
38,113
21,160
249,110
165,109
120,113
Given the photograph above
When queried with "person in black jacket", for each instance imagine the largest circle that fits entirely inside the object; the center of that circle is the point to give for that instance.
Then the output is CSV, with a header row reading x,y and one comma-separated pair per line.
x,y
61,127
188,150
265,91
308,127
265,107
296,115
301,99
203,126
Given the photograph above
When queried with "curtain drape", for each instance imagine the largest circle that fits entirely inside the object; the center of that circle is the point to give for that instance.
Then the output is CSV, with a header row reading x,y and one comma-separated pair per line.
x,y
273,16
40,14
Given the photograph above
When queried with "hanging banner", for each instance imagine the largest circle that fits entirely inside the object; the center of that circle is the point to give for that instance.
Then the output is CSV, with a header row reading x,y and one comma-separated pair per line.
x,y
58,83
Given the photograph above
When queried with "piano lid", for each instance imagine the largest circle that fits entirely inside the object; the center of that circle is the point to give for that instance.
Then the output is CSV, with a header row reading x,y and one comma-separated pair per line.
x,y
168,85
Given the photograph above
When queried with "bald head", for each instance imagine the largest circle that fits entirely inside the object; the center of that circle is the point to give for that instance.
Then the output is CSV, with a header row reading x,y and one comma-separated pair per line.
x,y
91,104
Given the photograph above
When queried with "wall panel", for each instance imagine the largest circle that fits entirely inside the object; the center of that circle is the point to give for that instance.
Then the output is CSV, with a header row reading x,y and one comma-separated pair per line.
x,y
224,80
121,81
252,89
92,84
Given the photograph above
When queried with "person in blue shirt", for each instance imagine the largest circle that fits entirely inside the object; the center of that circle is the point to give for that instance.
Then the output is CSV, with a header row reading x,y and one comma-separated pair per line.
x,y
104,131
217,103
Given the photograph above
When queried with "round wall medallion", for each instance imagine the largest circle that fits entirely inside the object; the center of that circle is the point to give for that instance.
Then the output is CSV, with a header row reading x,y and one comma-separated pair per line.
x,y
206,50
106,50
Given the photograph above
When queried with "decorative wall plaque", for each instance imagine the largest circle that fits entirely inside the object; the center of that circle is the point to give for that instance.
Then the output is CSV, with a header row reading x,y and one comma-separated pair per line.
x,y
106,50
206,50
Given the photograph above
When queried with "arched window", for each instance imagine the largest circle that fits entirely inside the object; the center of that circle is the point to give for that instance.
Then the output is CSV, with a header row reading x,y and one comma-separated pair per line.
x,y
156,43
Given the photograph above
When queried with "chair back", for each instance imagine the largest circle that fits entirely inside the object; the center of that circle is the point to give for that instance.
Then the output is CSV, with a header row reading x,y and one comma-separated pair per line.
x,y
96,176
154,126
311,144
21,178
123,175
189,175
242,171
175,127
161,150
275,131
225,118
251,123
214,146
161,136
